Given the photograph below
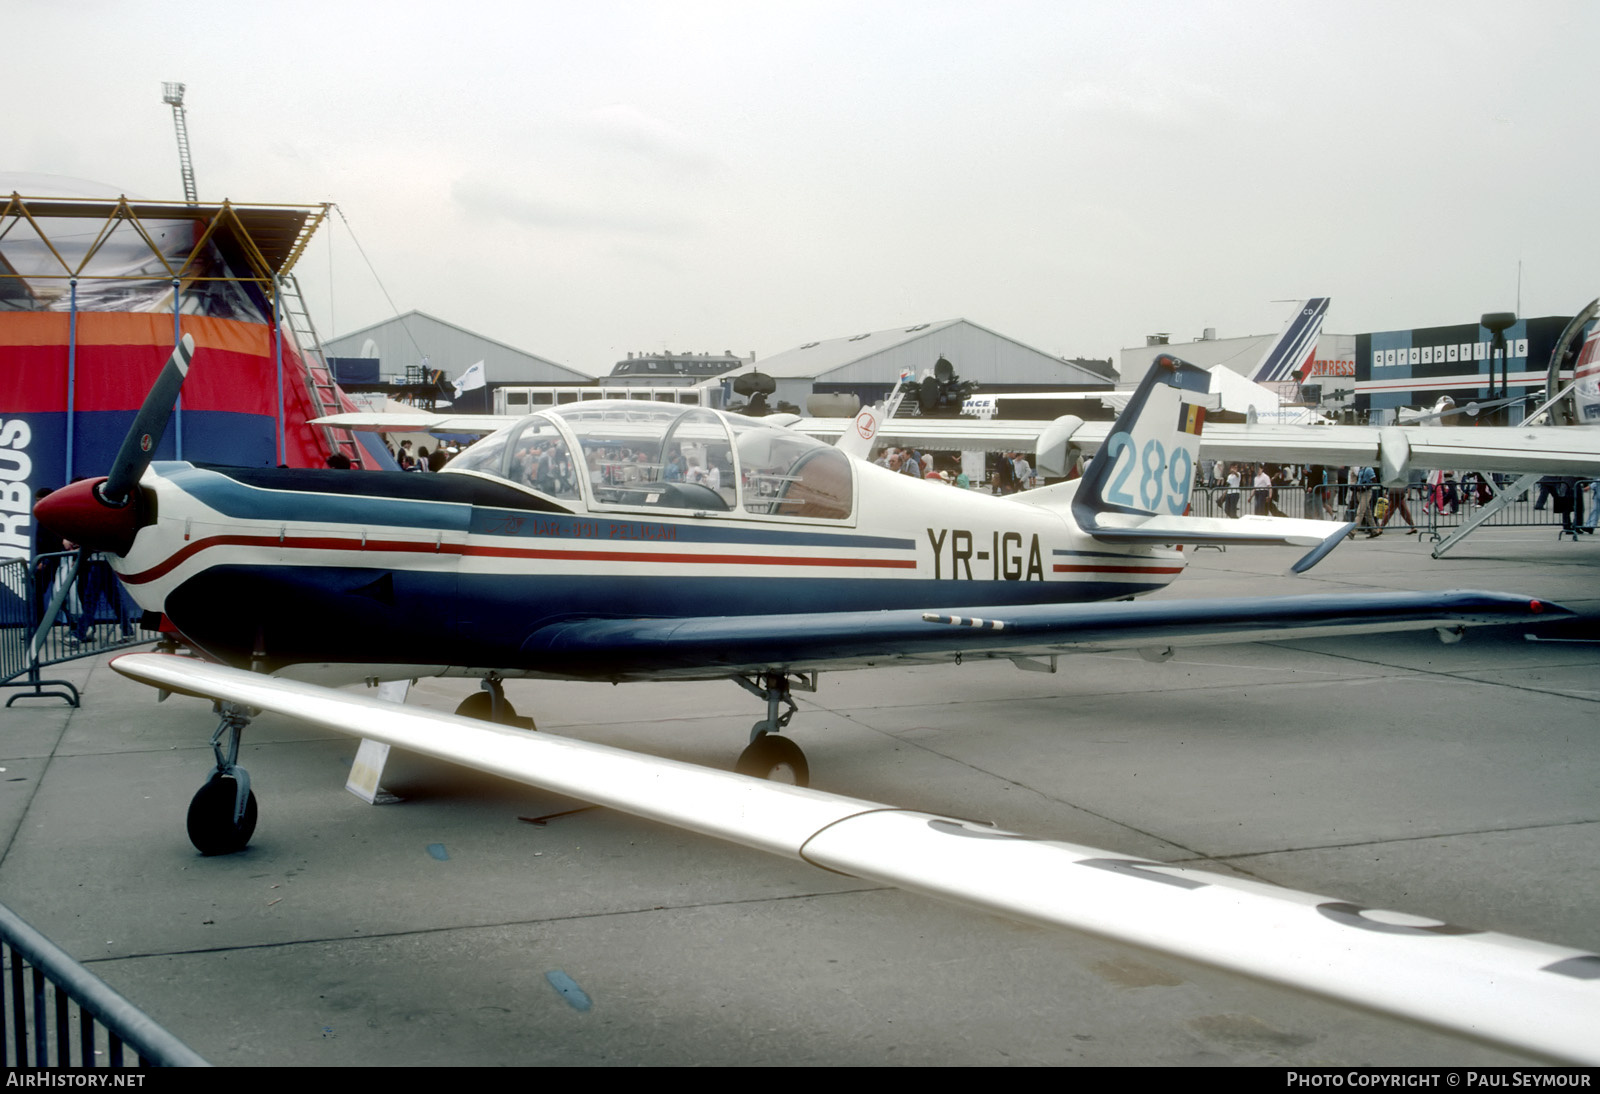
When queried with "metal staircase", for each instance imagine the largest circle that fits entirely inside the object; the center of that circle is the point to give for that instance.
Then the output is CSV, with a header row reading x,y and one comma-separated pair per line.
x,y
172,95
319,382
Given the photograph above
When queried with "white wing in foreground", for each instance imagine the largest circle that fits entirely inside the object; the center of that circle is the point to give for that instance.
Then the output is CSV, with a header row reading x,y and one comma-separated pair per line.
x,y
1526,995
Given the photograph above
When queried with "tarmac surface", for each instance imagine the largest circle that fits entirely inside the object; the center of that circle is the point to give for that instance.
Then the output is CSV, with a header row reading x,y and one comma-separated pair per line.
x,y
1454,781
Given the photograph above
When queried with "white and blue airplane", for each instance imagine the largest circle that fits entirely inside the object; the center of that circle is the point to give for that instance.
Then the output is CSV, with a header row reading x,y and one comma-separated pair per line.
x,y
632,541
635,541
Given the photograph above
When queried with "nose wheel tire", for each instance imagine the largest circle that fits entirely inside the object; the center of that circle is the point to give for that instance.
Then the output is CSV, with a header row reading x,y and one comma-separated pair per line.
x,y
212,829
776,759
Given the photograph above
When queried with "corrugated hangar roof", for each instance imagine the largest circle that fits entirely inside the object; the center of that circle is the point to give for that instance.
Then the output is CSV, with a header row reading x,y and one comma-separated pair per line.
x,y
402,340
977,353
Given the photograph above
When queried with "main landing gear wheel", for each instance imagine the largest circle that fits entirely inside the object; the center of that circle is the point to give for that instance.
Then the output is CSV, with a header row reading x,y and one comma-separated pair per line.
x,y
213,827
481,706
770,756
776,759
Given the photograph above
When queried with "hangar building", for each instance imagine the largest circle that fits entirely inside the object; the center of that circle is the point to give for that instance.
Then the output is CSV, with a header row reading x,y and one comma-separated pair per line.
x,y
868,365
1376,373
417,343
1405,368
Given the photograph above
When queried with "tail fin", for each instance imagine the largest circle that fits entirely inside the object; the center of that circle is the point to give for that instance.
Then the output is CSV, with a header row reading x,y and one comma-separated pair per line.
x,y
861,434
1136,490
1289,357
1147,464
860,437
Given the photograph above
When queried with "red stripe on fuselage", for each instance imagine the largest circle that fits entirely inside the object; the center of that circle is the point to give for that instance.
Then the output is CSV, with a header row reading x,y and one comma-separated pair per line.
x,y
738,560
319,543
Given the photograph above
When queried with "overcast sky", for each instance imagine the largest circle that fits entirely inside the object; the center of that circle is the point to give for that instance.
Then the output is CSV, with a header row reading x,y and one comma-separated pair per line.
x,y
585,179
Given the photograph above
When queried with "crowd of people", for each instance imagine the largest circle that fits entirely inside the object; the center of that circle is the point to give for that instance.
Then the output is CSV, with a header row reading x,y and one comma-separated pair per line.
x,y
421,459
1355,494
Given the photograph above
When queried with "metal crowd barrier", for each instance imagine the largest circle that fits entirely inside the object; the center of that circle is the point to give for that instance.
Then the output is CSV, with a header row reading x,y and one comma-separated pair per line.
x,y
1434,511
58,607
56,1013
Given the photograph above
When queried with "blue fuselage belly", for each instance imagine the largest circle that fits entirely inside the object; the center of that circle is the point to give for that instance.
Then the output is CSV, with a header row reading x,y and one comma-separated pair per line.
x,y
448,569
394,616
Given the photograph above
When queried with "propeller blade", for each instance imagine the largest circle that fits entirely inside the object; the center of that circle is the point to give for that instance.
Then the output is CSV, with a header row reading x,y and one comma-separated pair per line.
x,y
139,446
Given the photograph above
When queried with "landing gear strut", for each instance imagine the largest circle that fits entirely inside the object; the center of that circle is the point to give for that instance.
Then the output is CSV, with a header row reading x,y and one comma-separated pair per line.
x,y
222,814
768,755
491,705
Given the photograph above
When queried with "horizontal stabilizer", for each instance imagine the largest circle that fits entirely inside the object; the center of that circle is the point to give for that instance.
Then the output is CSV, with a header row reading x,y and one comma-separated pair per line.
x,y
1320,535
1136,489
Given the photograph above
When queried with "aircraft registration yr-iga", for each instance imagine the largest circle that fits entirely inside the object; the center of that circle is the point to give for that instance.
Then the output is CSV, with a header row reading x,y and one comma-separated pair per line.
x,y
643,541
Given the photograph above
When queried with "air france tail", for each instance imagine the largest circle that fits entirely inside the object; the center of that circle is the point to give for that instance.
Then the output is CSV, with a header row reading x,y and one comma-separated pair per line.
x,y
1289,357
1136,489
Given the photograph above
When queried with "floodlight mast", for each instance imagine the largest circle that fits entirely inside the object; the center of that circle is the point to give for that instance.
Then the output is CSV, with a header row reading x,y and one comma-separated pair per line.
x,y
172,95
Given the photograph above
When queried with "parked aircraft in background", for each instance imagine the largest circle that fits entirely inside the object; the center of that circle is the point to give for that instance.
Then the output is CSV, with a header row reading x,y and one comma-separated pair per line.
x,y
1284,365
1290,355
1394,451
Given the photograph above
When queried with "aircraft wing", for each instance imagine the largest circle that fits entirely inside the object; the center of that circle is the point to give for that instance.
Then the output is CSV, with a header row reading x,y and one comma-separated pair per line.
x,y
416,421
718,646
1549,450
1526,995
972,434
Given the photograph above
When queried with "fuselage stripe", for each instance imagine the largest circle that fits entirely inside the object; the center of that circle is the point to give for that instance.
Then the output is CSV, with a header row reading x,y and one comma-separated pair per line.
x,y
730,560
325,543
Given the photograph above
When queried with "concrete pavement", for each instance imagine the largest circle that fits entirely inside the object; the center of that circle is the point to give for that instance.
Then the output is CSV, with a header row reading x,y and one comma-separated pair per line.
x,y
1452,781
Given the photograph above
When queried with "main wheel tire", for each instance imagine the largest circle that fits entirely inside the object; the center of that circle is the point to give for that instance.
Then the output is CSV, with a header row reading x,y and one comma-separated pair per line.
x,y
776,759
211,826
480,705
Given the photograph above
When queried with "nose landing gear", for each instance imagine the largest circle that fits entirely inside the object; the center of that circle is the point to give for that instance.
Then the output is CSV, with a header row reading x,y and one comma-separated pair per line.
x,y
222,814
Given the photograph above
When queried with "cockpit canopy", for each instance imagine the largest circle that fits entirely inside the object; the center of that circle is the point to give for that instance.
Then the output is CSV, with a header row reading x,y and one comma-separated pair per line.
x,y
653,456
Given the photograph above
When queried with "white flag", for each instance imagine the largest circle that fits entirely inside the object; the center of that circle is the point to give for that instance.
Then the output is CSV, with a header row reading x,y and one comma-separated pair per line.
x,y
472,378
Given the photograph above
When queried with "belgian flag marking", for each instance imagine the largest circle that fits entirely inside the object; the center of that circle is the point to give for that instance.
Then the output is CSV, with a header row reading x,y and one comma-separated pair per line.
x,y
1191,416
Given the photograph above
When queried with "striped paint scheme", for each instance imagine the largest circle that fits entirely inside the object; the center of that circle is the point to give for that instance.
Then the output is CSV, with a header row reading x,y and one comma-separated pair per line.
x,y
1289,357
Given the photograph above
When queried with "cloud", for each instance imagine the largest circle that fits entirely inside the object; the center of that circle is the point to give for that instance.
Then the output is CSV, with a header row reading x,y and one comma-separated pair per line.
x,y
614,170
493,200
630,131
1163,104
